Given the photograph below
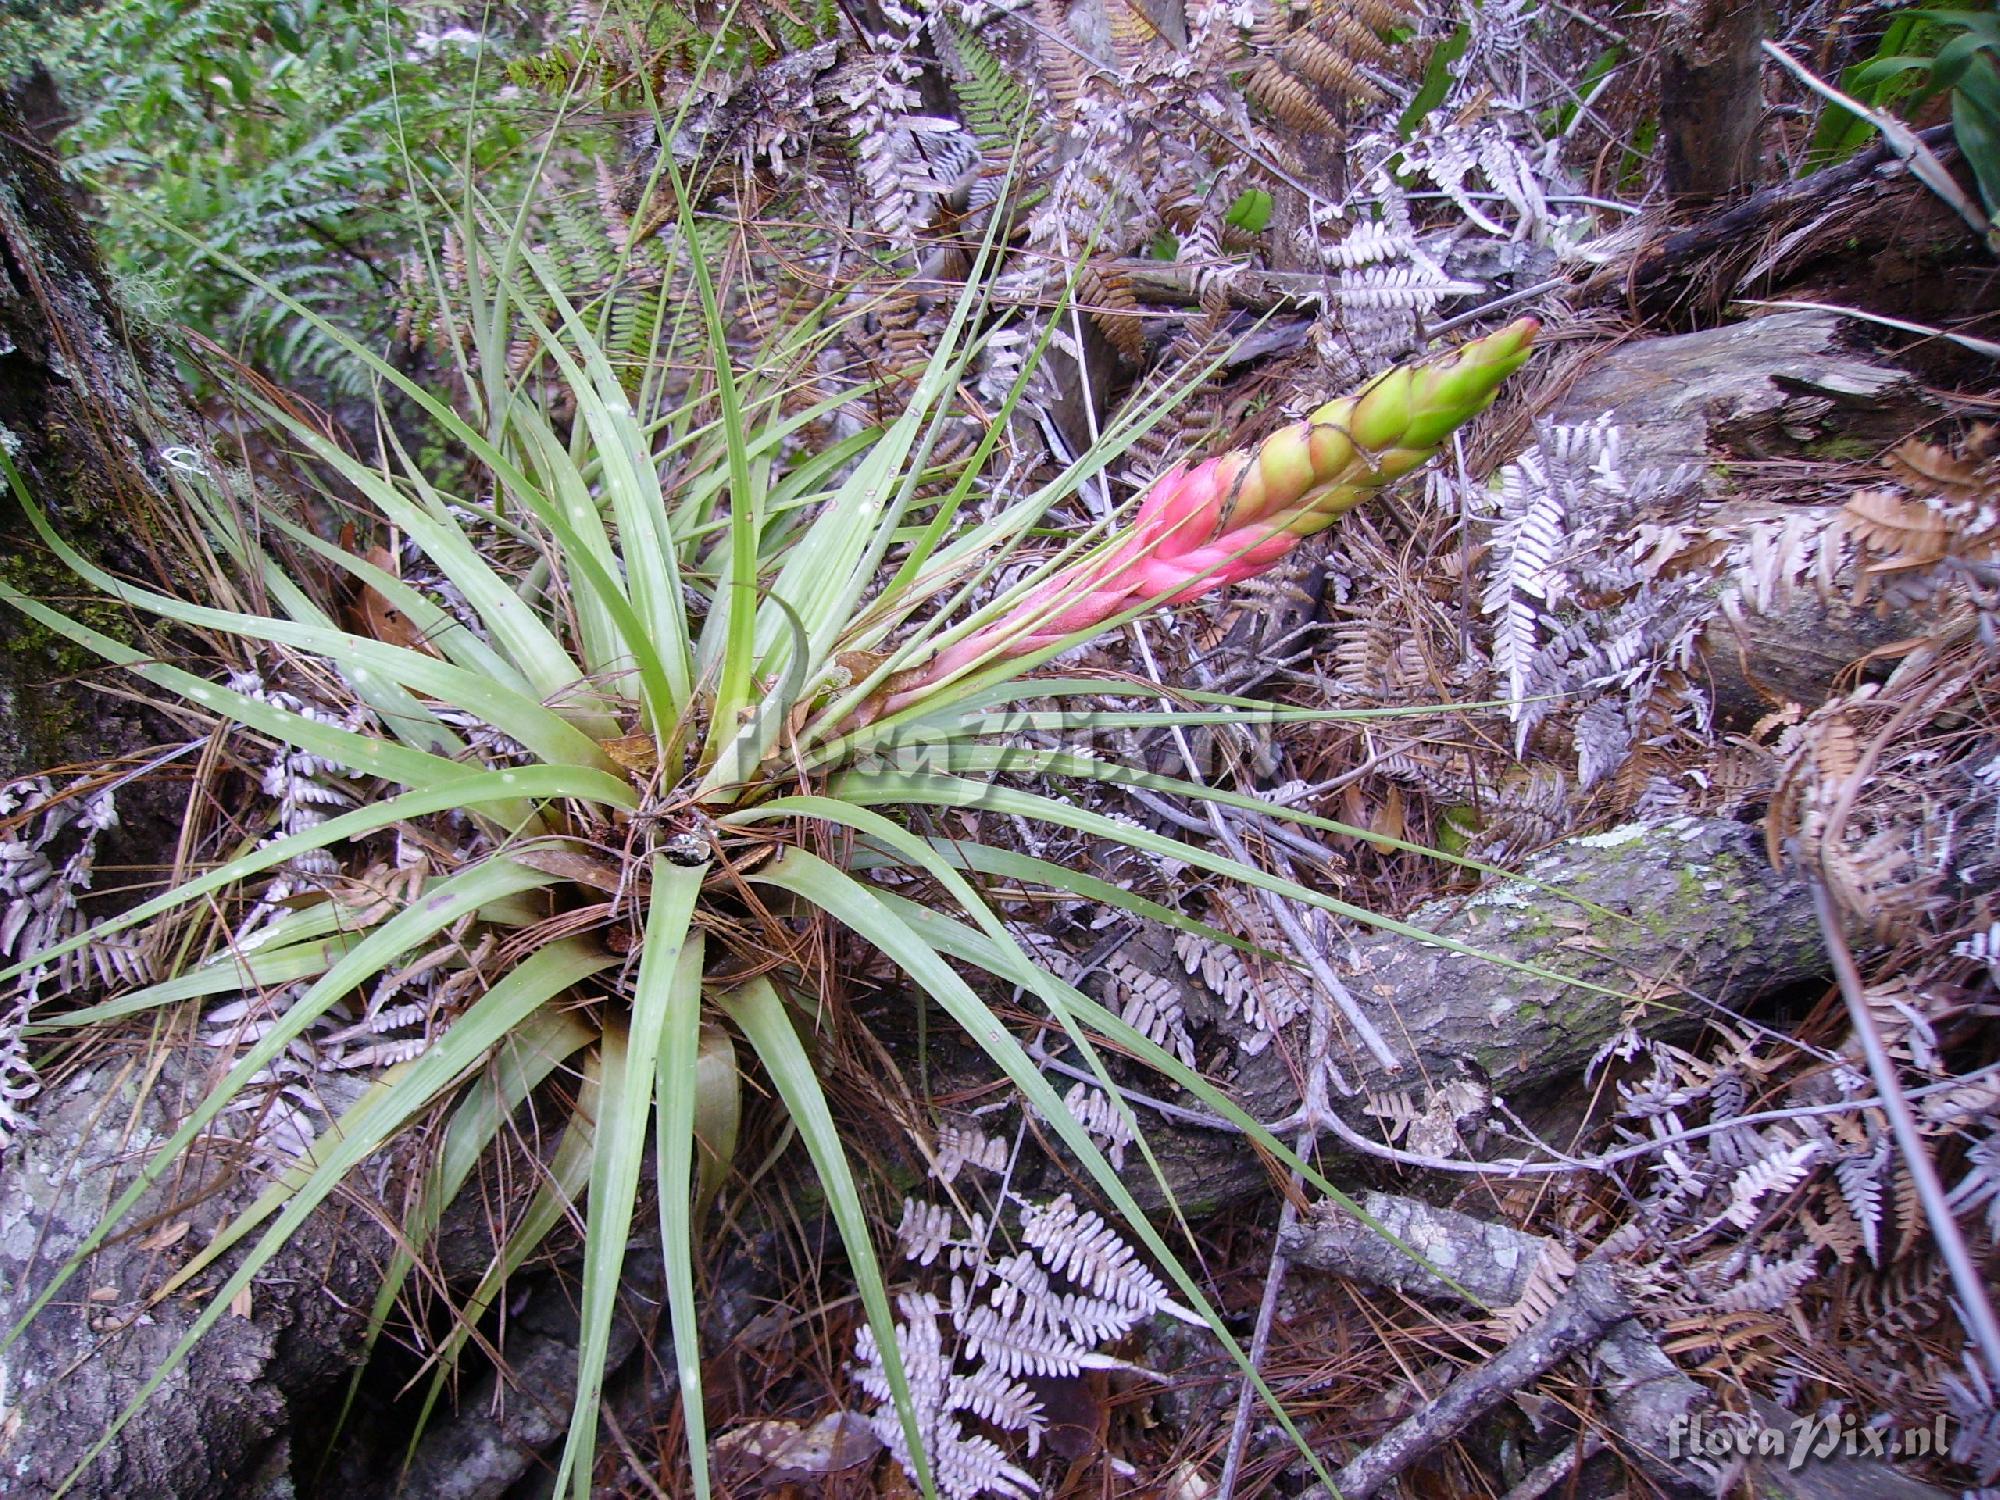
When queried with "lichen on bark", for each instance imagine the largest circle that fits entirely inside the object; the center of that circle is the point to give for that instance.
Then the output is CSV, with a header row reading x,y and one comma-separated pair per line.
x,y
81,390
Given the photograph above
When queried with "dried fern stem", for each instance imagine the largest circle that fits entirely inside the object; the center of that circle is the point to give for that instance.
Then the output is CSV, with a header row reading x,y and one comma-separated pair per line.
x,y
1236,515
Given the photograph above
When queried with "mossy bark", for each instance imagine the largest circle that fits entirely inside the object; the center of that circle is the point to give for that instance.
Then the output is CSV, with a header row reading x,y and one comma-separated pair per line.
x,y
1651,926
86,404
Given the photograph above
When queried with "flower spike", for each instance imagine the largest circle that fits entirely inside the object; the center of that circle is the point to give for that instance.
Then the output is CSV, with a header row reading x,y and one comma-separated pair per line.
x,y
1236,515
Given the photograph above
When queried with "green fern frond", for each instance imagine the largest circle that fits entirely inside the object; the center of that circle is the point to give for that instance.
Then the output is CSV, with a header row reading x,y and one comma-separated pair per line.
x,y
993,100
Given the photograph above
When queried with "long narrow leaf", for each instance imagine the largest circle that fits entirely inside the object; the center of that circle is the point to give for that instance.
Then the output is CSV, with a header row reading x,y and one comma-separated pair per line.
x,y
369,754
542,731
442,904
372,1121
678,1096
760,1014
529,1054
950,791
400,1092
471,789
621,1146
956,940
854,906
562,1188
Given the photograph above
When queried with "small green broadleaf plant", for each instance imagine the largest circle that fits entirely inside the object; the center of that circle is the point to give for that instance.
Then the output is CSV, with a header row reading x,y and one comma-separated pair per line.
x,y
667,737
1926,52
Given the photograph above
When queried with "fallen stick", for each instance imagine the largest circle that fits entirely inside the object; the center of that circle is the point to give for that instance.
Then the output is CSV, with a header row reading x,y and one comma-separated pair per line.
x,y
1496,1265
1593,1304
1741,227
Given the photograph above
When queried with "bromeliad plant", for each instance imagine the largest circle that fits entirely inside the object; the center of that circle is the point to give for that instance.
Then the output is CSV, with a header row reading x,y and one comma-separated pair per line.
x,y
629,776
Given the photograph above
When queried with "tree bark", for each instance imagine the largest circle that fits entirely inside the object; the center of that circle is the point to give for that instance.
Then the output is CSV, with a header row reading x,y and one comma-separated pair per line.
x,y
1680,914
1711,100
87,402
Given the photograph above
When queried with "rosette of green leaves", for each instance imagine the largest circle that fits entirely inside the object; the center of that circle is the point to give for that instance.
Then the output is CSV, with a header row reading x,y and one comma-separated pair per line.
x,y
667,758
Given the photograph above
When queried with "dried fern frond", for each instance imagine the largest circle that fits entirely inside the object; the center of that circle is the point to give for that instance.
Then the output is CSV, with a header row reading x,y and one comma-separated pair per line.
x,y
1042,1312
1377,15
1150,1004
1059,59
1108,1125
961,1146
1763,1287
1289,99
1779,1172
1331,64
1268,996
1077,1243
1105,294
1938,531
1546,1283
48,857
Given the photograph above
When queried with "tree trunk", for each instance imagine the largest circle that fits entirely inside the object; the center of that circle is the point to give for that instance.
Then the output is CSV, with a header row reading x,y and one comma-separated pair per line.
x,y
1711,100
87,405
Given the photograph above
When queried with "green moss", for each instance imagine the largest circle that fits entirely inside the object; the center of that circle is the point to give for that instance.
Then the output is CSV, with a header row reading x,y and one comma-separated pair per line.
x,y
50,721
1695,909
1843,450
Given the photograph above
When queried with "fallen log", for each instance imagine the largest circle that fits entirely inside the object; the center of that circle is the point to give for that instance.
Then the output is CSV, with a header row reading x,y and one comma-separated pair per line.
x,y
1729,406
1842,195
1649,1401
1650,926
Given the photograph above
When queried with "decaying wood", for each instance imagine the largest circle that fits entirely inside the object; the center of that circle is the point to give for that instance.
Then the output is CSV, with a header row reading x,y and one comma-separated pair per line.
x,y
1725,404
1711,100
1646,925
1768,387
1839,197
1648,1398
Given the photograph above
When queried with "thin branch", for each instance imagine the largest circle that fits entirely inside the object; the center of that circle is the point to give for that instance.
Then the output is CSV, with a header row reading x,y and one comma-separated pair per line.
x,y
1975,1306
1905,142
1546,1477
1594,1304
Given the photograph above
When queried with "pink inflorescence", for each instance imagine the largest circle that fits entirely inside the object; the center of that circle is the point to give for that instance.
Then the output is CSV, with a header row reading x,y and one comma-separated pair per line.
x,y
1234,516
